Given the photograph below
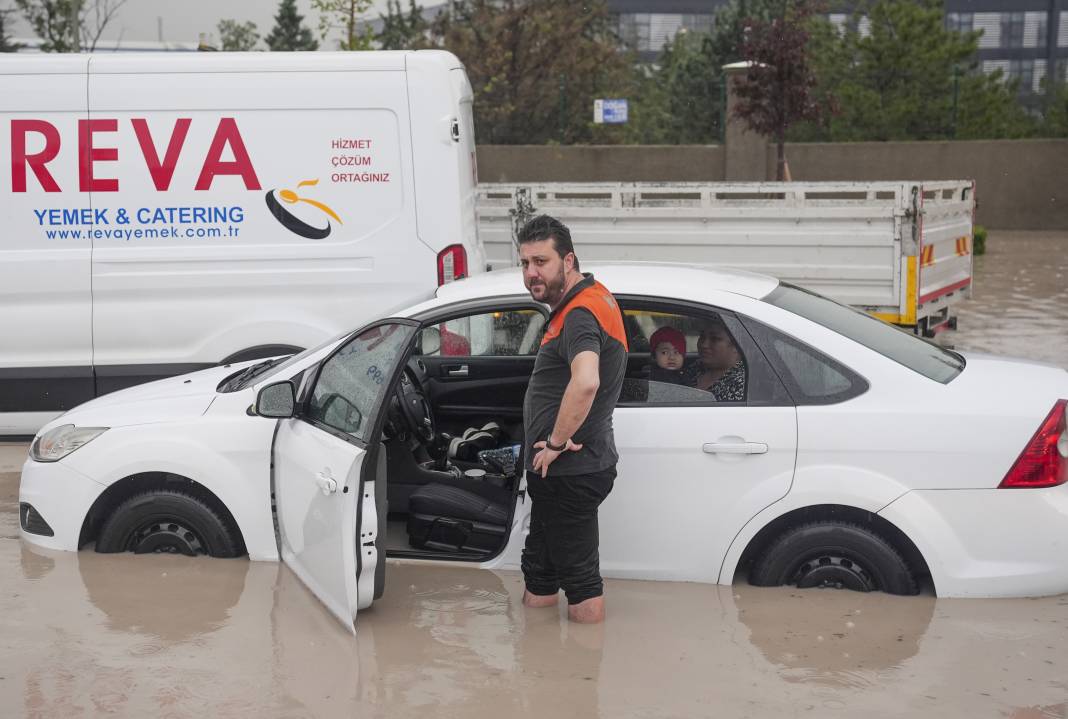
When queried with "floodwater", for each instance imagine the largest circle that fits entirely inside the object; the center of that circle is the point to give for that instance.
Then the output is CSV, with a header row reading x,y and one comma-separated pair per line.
x,y
87,635
1019,304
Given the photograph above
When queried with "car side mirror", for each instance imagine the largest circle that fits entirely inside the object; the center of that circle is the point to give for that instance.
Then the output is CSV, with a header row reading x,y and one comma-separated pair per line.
x,y
430,341
277,401
342,414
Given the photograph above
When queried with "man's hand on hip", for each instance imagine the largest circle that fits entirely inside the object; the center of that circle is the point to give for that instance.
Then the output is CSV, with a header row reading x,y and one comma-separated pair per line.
x,y
546,456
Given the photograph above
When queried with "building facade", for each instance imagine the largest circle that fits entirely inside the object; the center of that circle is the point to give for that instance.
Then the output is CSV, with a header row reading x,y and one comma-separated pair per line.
x,y
1026,39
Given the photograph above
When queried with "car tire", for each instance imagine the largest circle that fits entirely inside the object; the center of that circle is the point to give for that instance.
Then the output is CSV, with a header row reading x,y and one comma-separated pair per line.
x,y
167,521
833,554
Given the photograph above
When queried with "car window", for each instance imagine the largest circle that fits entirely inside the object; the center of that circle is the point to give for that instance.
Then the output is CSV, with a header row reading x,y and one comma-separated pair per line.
x,y
504,333
810,376
907,349
696,358
353,381
815,377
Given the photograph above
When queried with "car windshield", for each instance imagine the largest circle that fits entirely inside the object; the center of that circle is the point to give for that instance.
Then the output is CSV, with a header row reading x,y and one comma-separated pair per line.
x,y
276,369
917,354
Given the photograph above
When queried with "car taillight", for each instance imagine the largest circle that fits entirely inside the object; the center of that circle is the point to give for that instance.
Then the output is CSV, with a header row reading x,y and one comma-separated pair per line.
x,y
1044,461
452,264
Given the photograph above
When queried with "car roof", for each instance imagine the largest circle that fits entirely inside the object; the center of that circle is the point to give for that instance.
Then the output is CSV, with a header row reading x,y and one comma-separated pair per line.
x,y
658,279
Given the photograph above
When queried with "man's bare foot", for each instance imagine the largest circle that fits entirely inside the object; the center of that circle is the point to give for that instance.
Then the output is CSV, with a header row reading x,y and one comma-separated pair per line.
x,y
539,600
590,611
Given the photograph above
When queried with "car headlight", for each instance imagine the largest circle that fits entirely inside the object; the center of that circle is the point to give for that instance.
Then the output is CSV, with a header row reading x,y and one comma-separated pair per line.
x,y
57,443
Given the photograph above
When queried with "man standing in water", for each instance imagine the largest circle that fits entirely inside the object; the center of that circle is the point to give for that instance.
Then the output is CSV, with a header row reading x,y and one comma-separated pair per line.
x,y
567,417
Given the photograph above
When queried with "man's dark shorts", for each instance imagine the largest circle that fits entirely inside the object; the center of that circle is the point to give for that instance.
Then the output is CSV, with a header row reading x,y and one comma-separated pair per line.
x,y
562,548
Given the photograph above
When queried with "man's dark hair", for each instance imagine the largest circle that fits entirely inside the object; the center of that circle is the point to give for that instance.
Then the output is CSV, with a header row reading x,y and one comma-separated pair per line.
x,y
544,227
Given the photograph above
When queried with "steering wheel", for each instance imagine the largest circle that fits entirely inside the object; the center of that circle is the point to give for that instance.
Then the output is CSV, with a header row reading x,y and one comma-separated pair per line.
x,y
414,407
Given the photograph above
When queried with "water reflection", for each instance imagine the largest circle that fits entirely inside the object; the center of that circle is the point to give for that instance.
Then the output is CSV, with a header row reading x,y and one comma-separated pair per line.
x,y
95,634
1019,305
834,638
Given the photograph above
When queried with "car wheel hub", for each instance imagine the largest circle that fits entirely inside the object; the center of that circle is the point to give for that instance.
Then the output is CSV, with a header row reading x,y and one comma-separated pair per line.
x,y
167,537
833,572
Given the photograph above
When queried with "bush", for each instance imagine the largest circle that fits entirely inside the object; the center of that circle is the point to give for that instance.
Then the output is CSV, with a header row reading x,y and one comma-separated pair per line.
x,y
979,240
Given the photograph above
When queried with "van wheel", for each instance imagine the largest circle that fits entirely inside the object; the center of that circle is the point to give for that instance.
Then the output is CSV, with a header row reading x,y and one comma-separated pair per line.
x,y
166,521
835,554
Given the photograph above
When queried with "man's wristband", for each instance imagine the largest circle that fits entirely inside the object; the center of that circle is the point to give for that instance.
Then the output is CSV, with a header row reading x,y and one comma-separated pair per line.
x,y
555,447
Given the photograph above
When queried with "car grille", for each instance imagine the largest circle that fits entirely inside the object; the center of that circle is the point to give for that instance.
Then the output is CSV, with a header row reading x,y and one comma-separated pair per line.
x,y
33,522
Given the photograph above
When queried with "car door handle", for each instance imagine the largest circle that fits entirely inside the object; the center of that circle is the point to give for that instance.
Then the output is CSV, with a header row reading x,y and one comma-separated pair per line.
x,y
735,448
327,484
456,370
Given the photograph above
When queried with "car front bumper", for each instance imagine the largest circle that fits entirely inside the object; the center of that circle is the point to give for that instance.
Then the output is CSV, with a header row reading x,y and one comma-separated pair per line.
x,y
989,542
61,496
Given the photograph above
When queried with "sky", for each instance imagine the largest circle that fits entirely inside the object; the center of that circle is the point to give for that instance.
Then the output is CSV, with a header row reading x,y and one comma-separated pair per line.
x,y
184,20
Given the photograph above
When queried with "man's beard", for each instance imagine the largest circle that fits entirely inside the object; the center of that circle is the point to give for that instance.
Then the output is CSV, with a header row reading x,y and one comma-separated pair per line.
x,y
554,289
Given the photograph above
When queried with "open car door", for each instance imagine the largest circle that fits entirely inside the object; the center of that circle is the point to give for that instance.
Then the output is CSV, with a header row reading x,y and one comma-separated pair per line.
x,y
325,471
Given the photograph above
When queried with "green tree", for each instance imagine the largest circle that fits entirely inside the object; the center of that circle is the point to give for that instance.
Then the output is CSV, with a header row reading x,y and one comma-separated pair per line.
x,y
680,99
69,25
731,19
401,31
1055,123
289,32
345,16
54,21
536,66
6,43
898,81
238,36
779,88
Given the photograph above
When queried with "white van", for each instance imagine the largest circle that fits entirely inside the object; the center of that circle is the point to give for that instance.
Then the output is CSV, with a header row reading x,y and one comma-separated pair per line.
x,y
162,213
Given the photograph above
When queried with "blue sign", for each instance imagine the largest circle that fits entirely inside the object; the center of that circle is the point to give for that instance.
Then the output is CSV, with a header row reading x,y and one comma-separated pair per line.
x,y
610,112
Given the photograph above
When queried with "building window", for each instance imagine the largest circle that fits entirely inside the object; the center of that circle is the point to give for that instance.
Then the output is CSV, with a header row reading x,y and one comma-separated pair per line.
x,y
961,22
1012,29
697,22
634,30
990,25
1024,71
1035,25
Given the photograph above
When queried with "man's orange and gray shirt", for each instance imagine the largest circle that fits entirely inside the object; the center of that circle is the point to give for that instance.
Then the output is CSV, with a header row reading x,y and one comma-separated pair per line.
x,y
588,319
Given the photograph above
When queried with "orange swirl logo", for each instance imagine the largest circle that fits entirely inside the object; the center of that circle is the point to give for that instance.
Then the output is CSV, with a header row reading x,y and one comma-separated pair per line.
x,y
293,223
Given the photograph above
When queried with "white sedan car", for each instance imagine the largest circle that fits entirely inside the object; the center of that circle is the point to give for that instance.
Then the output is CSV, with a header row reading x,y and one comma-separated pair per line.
x,y
851,455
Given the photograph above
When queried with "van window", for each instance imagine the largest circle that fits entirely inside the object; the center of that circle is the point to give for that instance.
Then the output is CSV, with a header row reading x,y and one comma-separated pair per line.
x,y
926,358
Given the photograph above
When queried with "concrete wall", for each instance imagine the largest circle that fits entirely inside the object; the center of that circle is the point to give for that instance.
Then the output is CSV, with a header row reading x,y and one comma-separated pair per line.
x,y
1020,184
598,163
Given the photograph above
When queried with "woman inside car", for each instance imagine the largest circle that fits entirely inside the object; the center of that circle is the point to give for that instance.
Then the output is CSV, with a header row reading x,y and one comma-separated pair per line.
x,y
720,368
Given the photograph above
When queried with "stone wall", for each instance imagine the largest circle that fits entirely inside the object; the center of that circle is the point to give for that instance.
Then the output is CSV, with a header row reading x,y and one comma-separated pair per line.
x,y
1020,184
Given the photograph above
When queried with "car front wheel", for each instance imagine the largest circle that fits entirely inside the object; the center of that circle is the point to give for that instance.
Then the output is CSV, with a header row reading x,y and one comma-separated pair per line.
x,y
168,522
836,554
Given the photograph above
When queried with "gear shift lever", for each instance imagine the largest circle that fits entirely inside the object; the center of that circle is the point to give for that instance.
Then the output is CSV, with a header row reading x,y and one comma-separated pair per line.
x,y
441,451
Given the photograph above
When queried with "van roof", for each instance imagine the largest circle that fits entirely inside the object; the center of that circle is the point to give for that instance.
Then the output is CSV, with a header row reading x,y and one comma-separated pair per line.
x,y
141,63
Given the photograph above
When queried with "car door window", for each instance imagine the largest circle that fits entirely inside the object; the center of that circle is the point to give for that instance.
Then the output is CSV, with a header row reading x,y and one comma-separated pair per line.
x,y
811,377
504,333
696,360
354,379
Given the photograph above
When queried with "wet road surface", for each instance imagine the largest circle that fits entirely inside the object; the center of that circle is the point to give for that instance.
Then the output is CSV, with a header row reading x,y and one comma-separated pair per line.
x,y
169,636
87,635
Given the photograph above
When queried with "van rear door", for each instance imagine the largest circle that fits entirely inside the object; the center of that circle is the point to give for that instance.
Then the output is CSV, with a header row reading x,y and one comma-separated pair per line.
x,y
45,244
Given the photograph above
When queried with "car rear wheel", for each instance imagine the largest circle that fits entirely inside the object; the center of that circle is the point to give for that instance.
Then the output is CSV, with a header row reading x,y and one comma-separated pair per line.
x,y
166,521
835,554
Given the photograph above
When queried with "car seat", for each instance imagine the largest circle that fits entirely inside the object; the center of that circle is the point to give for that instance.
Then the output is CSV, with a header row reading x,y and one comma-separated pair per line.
x,y
453,519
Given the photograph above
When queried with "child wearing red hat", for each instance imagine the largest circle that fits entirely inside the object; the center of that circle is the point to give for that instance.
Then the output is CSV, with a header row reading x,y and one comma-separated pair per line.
x,y
668,346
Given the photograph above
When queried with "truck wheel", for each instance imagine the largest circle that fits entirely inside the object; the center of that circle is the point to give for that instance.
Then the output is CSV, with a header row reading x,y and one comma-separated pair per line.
x,y
833,554
167,521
